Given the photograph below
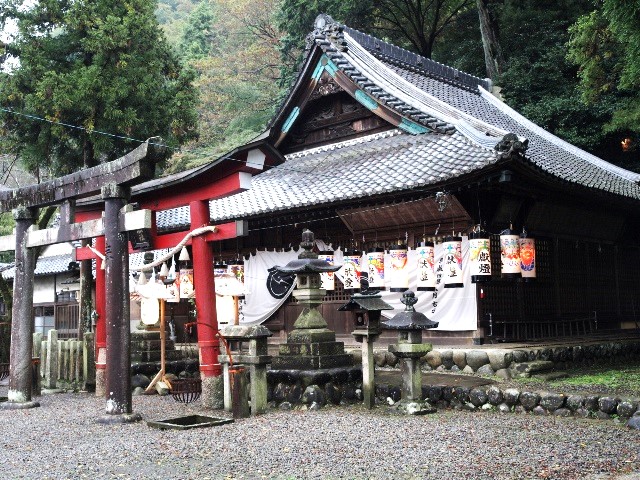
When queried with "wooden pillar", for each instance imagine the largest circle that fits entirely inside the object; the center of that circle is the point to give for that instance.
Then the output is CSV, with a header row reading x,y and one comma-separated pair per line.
x,y
101,323
118,375
204,283
20,373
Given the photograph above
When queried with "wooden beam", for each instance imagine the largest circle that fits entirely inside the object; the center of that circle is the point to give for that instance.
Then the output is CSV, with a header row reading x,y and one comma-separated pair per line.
x,y
134,167
129,220
223,231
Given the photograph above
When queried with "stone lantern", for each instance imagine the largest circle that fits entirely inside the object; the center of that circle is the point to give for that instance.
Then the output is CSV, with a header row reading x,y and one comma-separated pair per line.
x,y
310,345
409,349
367,309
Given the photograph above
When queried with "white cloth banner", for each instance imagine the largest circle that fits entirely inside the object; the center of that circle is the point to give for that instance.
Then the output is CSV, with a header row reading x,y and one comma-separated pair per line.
x,y
265,290
453,308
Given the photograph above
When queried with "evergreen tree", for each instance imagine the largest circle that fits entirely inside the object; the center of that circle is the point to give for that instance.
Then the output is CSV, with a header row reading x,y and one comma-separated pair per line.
x,y
89,66
197,37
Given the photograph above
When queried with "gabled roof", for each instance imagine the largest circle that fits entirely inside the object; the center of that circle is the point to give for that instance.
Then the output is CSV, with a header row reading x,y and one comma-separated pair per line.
x,y
46,265
448,125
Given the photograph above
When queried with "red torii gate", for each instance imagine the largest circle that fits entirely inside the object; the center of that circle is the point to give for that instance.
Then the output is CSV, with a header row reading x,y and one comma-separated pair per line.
x,y
228,175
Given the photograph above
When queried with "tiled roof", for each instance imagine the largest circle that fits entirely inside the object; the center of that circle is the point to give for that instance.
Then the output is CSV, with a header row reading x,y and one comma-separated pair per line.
x,y
380,163
46,265
466,121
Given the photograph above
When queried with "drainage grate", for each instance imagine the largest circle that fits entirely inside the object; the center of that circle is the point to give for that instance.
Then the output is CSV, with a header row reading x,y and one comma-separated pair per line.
x,y
190,421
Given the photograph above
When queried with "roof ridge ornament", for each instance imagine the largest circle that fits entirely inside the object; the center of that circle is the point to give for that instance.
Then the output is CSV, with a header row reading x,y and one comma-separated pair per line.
x,y
511,145
325,25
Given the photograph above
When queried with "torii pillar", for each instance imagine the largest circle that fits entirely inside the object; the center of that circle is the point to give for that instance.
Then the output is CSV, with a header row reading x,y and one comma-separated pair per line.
x,y
204,283
118,378
20,373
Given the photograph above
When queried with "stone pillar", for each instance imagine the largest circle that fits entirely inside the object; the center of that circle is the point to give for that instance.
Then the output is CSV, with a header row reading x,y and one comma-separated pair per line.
x,y
204,283
368,369
20,371
118,377
51,366
88,363
100,351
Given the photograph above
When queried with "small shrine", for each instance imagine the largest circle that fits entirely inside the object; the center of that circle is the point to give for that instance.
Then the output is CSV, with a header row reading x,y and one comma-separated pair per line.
x,y
311,345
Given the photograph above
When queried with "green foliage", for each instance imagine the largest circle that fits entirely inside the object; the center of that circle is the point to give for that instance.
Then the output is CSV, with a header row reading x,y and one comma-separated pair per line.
x,y
605,44
197,38
102,65
295,19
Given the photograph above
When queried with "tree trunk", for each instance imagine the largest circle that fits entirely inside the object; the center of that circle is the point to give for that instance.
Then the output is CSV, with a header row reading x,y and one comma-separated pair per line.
x,y
493,58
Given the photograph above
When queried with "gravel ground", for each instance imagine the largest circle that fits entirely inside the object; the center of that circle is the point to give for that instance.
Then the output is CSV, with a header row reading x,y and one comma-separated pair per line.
x,y
61,440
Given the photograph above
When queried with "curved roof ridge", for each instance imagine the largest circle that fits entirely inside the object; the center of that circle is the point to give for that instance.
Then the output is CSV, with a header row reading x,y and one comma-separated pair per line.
x,y
419,62
399,87
557,141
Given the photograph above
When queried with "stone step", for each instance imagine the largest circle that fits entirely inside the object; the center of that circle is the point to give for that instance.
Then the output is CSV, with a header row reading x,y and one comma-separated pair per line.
x,y
548,377
154,355
526,369
151,344
316,348
312,362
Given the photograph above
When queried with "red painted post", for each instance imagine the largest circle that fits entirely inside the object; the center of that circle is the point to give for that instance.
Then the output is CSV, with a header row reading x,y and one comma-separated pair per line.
x,y
204,283
101,323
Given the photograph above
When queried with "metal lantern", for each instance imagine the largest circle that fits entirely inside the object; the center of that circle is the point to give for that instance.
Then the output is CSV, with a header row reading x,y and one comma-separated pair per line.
x,y
375,267
327,279
351,269
426,266
510,254
480,256
399,270
452,274
527,257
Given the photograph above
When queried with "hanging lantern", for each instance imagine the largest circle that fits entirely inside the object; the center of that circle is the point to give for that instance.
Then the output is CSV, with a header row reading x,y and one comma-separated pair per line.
x,y
452,262
375,264
480,256
219,268
187,290
149,310
327,279
236,268
351,269
527,257
399,271
426,267
510,254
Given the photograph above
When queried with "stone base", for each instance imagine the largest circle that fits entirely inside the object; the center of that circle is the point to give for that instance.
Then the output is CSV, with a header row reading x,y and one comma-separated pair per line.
x,y
213,392
101,383
413,408
311,362
315,348
119,418
18,405
315,335
51,391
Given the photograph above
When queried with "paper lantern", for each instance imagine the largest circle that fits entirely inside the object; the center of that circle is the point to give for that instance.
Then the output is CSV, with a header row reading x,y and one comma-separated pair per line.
x,y
351,269
187,289
327,279
527,257
510,254
399,271
426,267
480,256
375,267
452,260
236,268
149,310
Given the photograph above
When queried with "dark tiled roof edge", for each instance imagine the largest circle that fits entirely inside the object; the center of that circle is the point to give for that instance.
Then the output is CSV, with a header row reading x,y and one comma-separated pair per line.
x,y
395,54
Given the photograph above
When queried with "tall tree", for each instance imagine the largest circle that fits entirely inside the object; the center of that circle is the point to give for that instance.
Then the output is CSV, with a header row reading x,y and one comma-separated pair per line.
x,y
417,24
85,67
605,44
197,37
493,58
